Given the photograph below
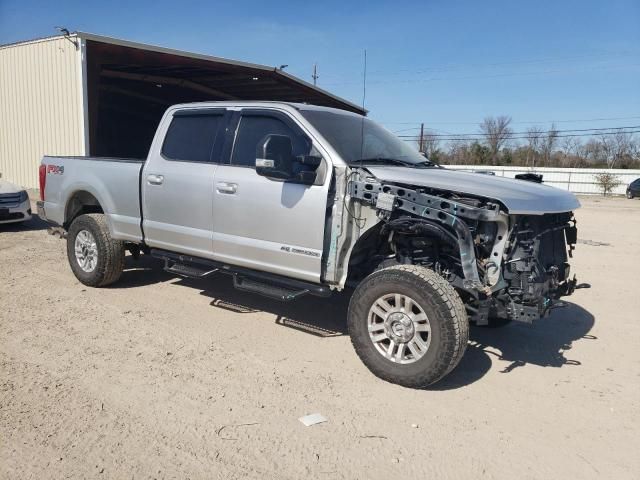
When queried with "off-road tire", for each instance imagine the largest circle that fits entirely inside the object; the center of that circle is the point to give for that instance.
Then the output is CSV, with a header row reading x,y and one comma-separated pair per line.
x,y
110,261
444,309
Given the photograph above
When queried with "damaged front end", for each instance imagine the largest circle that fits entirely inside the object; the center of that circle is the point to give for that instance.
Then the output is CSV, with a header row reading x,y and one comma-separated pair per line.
x,y
536,272
503,266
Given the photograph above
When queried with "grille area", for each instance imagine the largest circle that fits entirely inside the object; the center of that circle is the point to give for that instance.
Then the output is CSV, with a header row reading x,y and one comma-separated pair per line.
x,y
9,199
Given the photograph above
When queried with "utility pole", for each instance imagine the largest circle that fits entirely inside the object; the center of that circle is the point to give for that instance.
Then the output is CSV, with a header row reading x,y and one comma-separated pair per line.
x,y
315,74
421,143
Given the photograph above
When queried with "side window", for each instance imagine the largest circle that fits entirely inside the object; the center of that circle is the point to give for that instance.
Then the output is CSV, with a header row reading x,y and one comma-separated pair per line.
x,y
253,129
191,137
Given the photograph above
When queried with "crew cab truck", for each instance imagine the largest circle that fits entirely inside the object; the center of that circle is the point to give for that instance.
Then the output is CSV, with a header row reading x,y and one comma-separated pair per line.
x,y
294,199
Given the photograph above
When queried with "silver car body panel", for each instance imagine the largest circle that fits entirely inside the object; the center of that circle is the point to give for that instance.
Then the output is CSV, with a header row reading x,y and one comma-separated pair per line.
x,y
177,200
269,225
186,187
112,181
9,188
518,196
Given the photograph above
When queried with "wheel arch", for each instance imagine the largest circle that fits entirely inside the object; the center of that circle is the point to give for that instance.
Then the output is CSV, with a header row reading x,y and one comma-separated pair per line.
x,y
80,202
363,245
374,237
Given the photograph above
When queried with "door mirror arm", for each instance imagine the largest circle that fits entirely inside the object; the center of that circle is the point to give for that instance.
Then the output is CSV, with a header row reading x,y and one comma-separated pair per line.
x,y
309,160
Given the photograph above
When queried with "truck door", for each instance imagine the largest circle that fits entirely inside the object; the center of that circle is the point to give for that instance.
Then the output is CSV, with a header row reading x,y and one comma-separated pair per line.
x,y
262,223
177,181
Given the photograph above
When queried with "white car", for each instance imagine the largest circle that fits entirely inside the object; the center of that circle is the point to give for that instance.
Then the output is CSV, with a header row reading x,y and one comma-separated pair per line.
x,y
14,203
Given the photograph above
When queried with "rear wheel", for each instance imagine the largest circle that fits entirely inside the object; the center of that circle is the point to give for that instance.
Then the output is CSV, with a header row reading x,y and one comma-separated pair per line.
x,y
408,325
629,194
96,259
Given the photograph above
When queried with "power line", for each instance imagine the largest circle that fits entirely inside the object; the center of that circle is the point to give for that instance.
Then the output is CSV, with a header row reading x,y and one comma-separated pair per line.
x,y
391,71
449,66
430,129
537,131
528,122
495,75
464,139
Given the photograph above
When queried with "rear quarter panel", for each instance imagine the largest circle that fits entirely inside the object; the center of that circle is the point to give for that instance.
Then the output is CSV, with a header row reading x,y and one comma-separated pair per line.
x,y
113,182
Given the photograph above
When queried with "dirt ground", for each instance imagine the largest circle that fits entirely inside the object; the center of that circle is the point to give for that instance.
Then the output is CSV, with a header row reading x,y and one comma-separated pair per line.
x,y
161,377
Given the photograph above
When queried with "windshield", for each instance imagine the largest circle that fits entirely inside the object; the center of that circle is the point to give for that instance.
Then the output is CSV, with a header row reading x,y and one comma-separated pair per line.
x,y
358,139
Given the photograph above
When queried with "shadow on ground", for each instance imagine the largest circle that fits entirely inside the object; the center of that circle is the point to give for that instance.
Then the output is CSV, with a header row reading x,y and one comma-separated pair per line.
x,y
547,342
35,223
323,317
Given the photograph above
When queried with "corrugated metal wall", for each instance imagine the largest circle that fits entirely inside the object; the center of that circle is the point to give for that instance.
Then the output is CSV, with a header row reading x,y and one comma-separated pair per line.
x,y
41,109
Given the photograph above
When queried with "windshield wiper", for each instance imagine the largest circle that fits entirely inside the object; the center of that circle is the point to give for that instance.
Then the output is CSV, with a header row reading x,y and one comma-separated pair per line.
x,y
426,163
394,161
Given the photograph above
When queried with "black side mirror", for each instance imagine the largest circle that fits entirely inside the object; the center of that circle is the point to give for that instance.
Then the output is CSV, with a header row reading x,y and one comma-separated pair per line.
x,y
275,157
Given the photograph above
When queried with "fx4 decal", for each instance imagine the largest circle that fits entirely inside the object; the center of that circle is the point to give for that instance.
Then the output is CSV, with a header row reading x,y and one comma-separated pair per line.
x,y
55,169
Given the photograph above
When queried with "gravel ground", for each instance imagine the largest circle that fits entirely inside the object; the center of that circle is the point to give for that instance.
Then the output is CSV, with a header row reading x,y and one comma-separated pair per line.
x,y
161,377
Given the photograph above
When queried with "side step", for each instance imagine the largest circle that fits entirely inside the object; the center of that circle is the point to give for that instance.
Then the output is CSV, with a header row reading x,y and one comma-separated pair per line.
x,y
276,292
186,270
263,283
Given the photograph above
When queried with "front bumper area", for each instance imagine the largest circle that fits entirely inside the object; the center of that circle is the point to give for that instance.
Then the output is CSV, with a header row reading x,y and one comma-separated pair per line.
x,y
529,313
15,213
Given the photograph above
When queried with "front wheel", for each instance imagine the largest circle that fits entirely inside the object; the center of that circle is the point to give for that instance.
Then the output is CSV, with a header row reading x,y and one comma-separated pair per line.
x,y
629,194
408,325
96,259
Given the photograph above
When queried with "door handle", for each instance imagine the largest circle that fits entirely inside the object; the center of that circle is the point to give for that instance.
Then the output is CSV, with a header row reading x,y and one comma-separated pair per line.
x,y
224,187
155,179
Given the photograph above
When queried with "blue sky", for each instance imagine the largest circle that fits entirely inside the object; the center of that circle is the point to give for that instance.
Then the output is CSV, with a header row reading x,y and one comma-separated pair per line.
x,y
445,63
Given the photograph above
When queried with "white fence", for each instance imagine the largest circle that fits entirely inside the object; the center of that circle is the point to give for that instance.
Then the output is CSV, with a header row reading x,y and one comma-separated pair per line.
x,y
576,180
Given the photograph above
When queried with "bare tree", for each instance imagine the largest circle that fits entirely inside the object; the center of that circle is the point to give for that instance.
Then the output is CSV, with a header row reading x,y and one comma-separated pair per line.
x,y
548,143
595,151
459,152
572,147
539,146
430,144
620,147
496,132
534,138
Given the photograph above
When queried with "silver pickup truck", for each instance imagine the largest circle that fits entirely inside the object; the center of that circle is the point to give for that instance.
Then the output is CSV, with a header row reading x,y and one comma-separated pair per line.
x,y
295,199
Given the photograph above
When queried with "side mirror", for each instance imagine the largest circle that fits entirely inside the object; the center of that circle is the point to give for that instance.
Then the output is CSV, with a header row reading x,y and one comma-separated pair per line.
x,y
275,157
275,160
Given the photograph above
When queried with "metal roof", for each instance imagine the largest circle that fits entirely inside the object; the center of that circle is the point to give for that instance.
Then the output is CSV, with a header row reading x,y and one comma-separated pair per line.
x,y
273,72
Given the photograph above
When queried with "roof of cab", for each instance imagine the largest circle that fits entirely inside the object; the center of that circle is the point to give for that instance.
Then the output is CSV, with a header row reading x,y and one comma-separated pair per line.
x,y
261,103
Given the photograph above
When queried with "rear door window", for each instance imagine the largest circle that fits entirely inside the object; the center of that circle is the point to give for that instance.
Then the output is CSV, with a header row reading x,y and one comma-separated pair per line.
x,y
192,135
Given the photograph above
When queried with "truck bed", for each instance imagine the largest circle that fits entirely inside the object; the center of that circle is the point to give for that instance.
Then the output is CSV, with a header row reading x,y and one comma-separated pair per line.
x,y
114,182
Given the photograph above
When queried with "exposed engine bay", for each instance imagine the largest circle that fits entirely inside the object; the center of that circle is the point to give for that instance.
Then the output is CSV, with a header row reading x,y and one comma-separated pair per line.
x,y
503,266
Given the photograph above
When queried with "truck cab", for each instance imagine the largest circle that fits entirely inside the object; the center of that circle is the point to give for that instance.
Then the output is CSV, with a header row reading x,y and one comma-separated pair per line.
x,y
203,161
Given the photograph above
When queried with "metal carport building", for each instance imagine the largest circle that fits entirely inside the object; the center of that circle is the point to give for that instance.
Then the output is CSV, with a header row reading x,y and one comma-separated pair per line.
x,y
85,94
